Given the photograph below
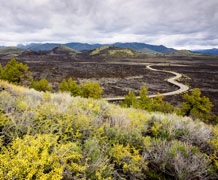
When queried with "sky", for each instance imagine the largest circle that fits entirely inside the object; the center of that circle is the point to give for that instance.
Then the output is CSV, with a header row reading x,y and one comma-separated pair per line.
x,y
181,24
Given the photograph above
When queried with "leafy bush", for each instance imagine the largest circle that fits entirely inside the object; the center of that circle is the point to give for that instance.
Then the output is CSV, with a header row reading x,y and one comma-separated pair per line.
x,y
91,89
214,145
42,85
41,157
129,159
70,86
63,87
1,71
173,159
14,72
74,88
196,106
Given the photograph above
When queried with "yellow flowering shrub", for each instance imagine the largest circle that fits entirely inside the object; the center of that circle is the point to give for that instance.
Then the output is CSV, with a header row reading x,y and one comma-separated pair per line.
x,y
41,157
214,144
129,159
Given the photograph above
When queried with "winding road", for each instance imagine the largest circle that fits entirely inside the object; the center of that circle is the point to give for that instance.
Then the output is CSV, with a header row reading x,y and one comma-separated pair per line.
x,y
172,80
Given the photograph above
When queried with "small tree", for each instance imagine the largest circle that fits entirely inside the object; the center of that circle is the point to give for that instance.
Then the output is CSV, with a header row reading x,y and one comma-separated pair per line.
x,y
91,89
74,88
63,87
15,72
158,104
144,101
130,100
1,71
42,85
196,106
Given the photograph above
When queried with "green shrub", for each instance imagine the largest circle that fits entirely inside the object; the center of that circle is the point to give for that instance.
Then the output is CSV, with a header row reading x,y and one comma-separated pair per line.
x,y
130,100
74,88
1,71
15,72
196,106
70,86
91,89
63,87
178,160
42,85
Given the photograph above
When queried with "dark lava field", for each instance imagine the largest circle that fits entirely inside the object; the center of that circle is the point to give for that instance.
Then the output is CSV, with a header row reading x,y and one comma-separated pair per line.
x,y
117,76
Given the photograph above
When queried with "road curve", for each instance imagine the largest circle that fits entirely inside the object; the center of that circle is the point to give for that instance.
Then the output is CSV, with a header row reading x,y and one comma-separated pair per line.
x,y
172,80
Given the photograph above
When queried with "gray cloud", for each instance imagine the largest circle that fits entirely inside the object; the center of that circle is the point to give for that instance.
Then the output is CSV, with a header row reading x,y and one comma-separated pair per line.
x,y
174,23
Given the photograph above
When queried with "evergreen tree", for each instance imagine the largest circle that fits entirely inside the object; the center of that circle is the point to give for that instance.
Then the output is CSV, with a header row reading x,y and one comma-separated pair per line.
x,y
15,72
130,100
42,85
158,104
74,88
196,106
1,71
63,87
144,101
91,89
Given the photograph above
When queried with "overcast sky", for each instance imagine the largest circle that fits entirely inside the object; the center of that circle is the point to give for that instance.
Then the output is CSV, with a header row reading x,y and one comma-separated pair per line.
x,y
190,24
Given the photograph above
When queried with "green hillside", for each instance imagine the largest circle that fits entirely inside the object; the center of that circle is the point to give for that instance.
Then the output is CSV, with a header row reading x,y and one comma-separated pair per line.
x,y
183,53
64,50
56,136
148,51
11,50
114,52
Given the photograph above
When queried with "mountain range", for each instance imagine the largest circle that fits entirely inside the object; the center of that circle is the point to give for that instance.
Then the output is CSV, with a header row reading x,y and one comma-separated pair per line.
x,y
141,47
213,51
86,46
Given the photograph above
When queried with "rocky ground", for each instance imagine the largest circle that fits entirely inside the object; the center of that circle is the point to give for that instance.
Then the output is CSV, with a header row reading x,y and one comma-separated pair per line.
x,y
117,76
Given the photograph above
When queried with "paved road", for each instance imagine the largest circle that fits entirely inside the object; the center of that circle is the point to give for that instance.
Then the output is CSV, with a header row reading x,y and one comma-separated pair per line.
x,y
172,80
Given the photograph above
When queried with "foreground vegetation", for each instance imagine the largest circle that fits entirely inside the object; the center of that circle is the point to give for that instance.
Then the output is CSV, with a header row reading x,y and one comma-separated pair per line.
x,y
57,136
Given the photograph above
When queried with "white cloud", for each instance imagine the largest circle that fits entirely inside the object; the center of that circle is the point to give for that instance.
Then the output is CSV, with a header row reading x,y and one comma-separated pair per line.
x,y
174,23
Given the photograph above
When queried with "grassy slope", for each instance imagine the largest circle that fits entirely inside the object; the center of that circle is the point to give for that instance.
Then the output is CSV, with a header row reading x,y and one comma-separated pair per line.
x,y
184,53
114,52
148,51
65,49
10,50
88,138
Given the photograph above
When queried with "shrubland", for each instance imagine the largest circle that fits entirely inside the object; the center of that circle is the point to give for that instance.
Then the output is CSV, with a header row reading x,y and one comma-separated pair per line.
x,y
193,105
56,136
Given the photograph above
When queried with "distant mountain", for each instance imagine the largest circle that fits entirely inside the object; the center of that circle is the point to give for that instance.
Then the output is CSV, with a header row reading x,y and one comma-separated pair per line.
x,y
213,51
140,46
86,46
11,50
148,51
37,47
2,46
83,46
183,53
